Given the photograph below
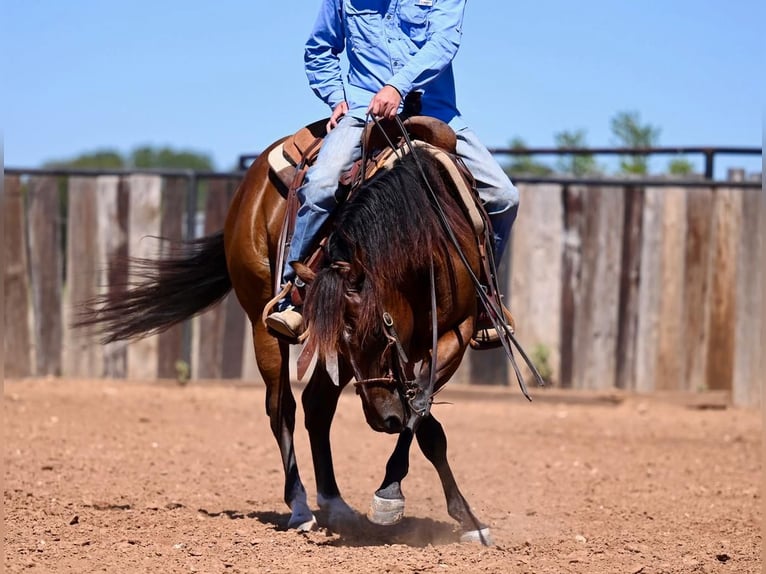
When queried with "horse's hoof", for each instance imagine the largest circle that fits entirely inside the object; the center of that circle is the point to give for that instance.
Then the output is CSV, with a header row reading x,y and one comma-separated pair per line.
x,y
481,536
302,521
385,511
307,526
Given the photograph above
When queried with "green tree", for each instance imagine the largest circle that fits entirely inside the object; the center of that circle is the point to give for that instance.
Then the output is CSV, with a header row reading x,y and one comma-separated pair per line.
x,y
165,157
680,166
524,164
630,132
577,165
142,157
100,159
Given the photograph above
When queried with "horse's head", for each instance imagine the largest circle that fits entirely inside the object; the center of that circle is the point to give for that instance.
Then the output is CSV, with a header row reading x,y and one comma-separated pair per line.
x,y
347,325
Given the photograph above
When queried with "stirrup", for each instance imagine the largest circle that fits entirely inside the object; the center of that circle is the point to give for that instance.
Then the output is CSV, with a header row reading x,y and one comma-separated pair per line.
x,y
485,334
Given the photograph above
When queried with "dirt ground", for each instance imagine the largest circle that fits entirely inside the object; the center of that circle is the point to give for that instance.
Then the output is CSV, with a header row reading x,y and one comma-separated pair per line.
x,y
126,477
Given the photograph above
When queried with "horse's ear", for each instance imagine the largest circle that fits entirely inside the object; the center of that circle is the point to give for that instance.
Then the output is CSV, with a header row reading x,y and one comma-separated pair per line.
x,y
305,272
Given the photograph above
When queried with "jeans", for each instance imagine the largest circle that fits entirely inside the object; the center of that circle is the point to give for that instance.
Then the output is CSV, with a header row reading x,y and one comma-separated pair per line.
x,y
342,147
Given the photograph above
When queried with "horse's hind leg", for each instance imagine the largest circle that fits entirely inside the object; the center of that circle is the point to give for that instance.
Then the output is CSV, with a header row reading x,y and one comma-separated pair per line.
x,y
273,362
433,443
320,399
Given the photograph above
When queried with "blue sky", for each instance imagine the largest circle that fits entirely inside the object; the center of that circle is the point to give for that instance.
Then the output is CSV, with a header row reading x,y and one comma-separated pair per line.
x,y
226,77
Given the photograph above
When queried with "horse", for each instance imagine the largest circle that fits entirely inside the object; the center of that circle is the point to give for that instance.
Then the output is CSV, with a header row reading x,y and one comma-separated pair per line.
x,y
368,270
368,305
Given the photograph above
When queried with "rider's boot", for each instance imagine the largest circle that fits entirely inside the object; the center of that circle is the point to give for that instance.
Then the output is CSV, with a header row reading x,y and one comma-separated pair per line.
x,y
287,320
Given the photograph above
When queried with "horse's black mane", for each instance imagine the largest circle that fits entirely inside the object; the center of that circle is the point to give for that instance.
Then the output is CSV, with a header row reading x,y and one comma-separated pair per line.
x,y
390,224
389,229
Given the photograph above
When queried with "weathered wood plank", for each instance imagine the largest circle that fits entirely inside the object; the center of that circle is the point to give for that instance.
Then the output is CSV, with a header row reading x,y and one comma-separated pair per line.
x,y
113,207
748,374
671,341
698,275
233,335
81,356
595,328
170,344
573,218
144,227
250,372
212,323
649,291
629,288
727,213
17,344
235,320
46,265
536,275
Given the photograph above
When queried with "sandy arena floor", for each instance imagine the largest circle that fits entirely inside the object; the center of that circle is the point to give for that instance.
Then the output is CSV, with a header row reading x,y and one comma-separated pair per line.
x,y
126,477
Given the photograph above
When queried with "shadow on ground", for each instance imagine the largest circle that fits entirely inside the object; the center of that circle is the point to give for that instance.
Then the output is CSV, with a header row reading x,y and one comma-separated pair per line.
x,y
411,531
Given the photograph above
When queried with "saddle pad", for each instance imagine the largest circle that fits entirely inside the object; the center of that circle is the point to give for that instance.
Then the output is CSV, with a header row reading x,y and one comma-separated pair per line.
x,y
466,194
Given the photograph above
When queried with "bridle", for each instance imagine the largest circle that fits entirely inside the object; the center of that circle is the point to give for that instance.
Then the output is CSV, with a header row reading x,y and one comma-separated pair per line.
x,y
406,381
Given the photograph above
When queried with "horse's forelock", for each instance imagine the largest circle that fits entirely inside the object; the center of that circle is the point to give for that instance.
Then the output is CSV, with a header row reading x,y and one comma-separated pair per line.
x,y
325,309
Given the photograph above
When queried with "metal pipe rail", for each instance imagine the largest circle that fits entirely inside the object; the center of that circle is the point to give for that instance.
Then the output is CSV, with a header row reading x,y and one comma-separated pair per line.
x,y
708,152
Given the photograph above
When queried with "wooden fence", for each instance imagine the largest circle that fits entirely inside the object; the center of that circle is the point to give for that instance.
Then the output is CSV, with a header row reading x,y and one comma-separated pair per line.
x,y
623,286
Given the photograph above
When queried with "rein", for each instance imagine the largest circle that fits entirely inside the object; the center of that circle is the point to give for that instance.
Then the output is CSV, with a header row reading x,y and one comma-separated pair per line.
x,y
507,337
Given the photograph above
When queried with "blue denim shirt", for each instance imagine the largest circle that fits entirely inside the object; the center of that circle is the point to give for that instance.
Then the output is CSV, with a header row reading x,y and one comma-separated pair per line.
x,y
409,44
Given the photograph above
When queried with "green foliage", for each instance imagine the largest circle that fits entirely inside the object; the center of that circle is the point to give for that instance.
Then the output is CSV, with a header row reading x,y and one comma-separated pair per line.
x,y
680,166
165,157
183,372
101,159
577,165
142,157
523,164
540,357
630,132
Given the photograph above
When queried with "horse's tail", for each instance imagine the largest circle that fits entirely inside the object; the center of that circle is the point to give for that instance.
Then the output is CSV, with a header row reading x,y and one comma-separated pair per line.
x,y
169,290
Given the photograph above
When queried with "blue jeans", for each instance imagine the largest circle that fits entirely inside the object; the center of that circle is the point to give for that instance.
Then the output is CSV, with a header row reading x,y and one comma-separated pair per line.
x,y
342,147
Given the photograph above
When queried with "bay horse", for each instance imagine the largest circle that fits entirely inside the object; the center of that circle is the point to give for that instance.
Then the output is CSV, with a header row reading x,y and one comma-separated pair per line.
x,y
389,242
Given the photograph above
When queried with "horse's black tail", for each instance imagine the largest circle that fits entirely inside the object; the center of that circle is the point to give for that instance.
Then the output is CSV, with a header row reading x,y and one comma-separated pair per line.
x,y
191,278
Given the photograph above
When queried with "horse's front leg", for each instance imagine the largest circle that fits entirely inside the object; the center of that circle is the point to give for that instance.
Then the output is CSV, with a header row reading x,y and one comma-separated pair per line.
x,y
387,506
433,443
320,400
273,362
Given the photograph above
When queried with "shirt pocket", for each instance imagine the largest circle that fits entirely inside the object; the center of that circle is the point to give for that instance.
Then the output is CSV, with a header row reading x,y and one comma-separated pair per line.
x,y
362,23
414,20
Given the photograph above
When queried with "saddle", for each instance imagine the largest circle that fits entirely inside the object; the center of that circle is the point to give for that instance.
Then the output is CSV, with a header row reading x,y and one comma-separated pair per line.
x,y
302,148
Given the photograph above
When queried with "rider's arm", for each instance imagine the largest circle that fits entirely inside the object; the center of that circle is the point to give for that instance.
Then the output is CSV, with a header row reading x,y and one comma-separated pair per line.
x,y
445,28
322,54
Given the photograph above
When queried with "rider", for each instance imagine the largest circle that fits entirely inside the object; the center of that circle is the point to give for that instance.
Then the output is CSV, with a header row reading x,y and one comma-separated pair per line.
x,y
393,47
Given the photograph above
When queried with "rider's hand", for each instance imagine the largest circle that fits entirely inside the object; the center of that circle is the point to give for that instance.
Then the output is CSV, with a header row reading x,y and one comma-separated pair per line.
x,y
386,103
339,111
